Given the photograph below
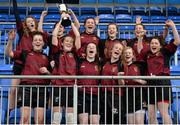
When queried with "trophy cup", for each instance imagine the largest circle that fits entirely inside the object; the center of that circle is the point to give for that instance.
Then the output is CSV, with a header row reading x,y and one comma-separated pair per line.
x,y
65,20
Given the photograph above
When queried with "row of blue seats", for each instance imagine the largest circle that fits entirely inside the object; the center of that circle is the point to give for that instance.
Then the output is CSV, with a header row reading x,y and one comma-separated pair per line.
x,y
93,10
111,1
104,18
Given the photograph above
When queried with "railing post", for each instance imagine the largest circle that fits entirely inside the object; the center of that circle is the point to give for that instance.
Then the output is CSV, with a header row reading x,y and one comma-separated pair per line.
x,y
75,101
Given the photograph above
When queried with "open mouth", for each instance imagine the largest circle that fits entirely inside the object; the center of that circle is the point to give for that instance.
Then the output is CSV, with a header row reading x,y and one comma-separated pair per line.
x,y
91,51
116,53
32,25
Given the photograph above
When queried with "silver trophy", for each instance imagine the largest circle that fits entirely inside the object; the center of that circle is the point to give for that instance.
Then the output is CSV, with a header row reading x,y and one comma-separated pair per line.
x,y
64,10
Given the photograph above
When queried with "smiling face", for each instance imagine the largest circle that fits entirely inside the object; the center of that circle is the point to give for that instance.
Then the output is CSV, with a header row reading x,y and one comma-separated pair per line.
x,y
68,44
155,46
128,55
116,50
30,23
112,31
139,30
90,25
91,50
38,43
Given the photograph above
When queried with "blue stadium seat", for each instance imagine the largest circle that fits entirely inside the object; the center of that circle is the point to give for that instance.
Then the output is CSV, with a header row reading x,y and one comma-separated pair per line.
x,y
87,11
122,1
11,18
126,36
138,10
88,1
53,10
139,1
3,116
3,17
4,9
123,18
6,69
157,2
105,10
175,70
22,10
83,17
145,18
52,18
23,1
126,28
171,10
105,1
121,10
173,2
36,16
106,18
158,19
36,10
36,1
75,10
154,10
176,19
4,1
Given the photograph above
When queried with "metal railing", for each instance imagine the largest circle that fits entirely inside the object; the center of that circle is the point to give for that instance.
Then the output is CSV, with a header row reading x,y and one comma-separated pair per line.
x,y
80,92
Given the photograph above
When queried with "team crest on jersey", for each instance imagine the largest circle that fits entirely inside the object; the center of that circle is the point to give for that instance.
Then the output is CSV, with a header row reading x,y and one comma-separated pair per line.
x,y
94,38
70,55
43,56
83,66
135,69
96,68
113,69
31,54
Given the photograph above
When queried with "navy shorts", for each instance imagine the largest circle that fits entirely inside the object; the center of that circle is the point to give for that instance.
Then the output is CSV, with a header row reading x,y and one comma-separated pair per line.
x,y
33,97
17,68
159,94
87,104
63,96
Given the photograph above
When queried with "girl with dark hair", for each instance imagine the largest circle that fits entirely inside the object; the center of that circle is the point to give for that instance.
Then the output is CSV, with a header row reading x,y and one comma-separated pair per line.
x,y
88,35
25,30
89,66
158,65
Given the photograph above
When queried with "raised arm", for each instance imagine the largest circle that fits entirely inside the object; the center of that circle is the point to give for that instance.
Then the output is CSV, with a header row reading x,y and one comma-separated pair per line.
x,y
40,24
77,36
55,34
76,21
11,38
19,24
171,24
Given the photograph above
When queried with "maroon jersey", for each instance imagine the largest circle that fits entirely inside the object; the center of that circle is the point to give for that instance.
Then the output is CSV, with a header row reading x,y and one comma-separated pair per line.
x,y
85,39
89,68
66,66
33,62
110,69
145,43
131,70
158,64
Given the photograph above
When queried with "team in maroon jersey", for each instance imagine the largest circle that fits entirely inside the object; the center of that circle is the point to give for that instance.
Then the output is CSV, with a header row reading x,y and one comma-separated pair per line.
x,y
85,54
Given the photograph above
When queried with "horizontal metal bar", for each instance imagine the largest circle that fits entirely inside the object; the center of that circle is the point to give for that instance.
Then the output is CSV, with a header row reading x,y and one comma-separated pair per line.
x,y
84,77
